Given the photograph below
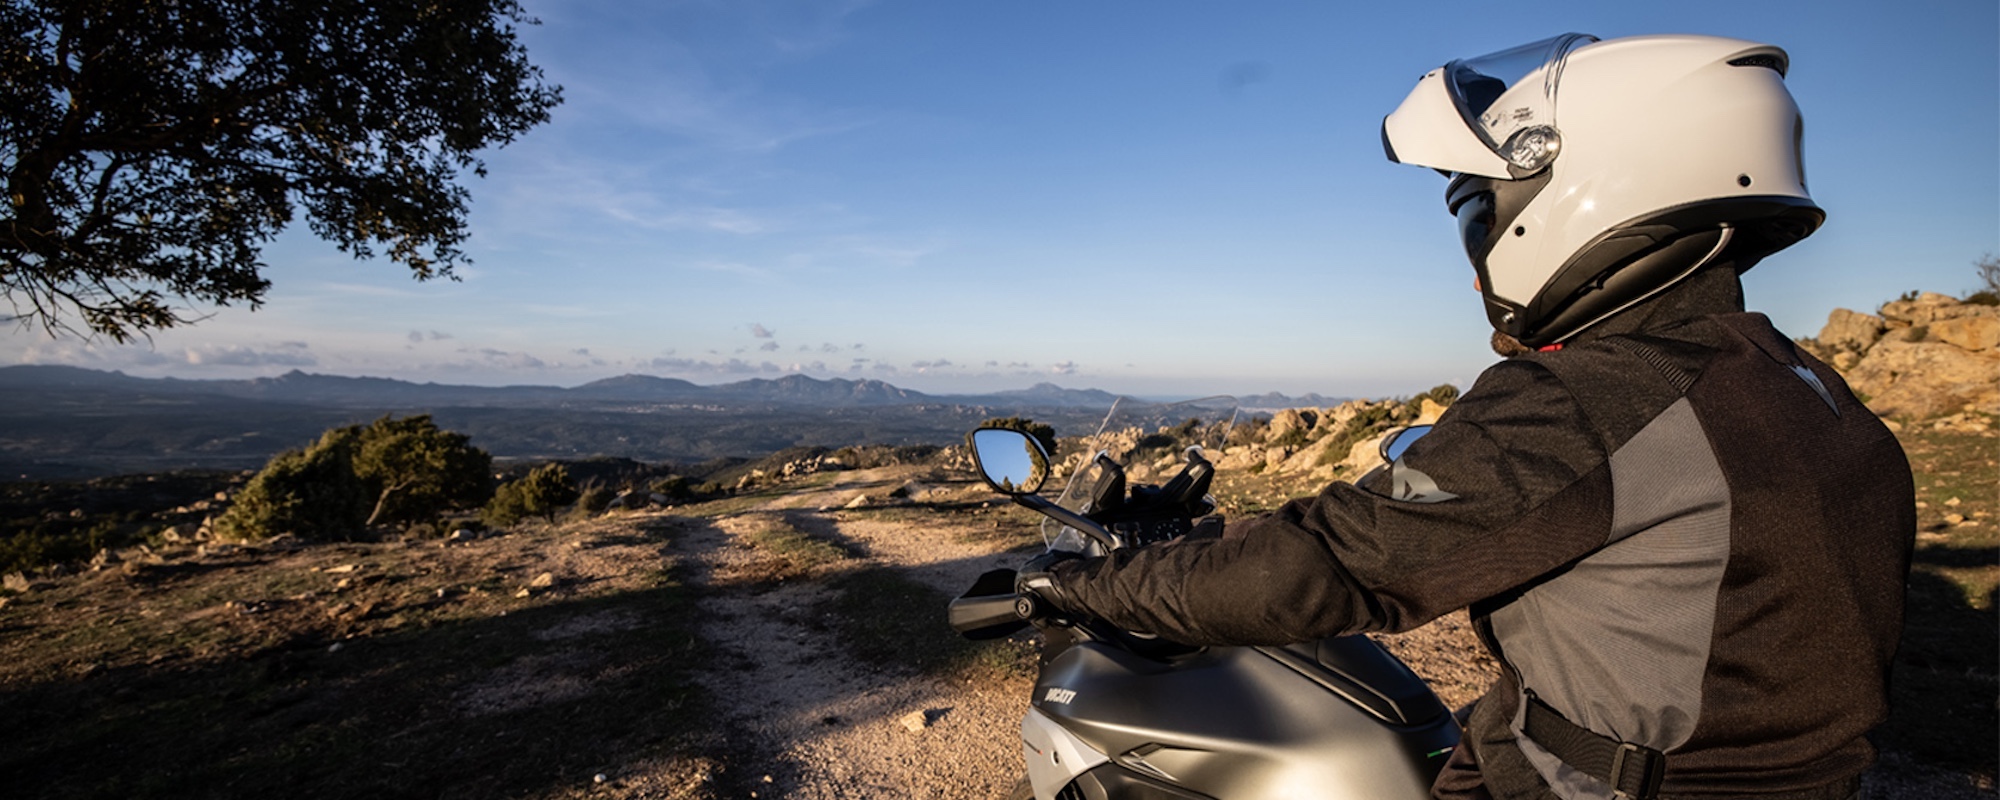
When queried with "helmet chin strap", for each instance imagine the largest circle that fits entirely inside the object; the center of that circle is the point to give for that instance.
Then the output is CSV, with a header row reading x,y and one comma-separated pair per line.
x,y
1721,243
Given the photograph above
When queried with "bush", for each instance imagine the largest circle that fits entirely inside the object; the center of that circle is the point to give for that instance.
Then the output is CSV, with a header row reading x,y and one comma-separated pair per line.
x,y
392,471
1443,394
594,497
416,471
677,487
311,493
544,491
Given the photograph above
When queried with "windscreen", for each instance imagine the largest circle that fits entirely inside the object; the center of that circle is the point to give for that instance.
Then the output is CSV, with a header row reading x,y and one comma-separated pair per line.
x,y
1149,440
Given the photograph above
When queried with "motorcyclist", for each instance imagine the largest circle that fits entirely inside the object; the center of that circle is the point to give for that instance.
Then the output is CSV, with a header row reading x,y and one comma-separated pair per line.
x,y
1682,537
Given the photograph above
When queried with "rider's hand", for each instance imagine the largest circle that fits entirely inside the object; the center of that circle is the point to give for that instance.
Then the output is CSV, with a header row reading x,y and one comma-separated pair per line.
x,y
1035,579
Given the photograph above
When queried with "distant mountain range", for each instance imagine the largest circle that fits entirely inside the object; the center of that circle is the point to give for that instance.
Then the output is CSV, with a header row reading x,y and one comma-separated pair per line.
x,y
58,421
345,392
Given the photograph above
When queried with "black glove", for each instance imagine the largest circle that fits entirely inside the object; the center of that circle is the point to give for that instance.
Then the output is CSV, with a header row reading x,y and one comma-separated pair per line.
x,y
1035,581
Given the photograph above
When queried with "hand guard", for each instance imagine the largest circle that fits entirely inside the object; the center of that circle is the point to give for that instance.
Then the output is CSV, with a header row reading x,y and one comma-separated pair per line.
x,y
1035,582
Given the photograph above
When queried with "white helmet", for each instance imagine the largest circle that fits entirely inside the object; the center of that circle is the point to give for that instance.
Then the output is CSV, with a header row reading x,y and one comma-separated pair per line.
x,y
1588,176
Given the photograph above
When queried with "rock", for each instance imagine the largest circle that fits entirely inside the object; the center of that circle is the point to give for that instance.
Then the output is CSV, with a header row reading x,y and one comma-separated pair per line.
x,y
1925,309
1963,423
1291,419
543,581
344,568
915,721
859,501
1851,330
1429,412
103,559
1953,502
462,535
1976,333
1923,379
1954,519
16,582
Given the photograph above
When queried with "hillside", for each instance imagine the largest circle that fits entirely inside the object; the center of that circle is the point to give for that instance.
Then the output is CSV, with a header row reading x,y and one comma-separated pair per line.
x,y
783,641
779,639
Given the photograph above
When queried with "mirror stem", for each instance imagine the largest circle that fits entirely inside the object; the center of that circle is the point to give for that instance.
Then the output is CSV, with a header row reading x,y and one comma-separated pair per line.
x,y
1068,517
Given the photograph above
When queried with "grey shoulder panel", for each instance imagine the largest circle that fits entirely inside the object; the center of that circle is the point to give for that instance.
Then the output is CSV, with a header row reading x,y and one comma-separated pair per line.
x,y
1620,642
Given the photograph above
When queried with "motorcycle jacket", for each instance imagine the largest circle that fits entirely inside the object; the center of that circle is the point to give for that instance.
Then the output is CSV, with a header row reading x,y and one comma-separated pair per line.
x,y
1678,533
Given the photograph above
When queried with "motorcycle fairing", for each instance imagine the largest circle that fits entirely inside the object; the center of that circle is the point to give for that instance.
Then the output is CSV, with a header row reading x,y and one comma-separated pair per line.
x,y
1226,722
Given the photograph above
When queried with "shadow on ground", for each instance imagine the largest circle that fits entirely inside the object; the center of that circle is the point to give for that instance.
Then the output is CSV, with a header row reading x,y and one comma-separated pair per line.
x,y
1942,706
520,703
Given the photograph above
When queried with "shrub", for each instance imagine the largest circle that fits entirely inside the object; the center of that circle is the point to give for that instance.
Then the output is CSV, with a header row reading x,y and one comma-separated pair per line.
x,y
594,497
311,493
677,487
1369,421
543,492
415,471
391,471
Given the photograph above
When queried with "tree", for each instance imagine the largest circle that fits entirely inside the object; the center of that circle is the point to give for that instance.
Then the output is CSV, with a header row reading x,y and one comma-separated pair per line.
x,y
1989,279
311,493
152,148
413,470
543,492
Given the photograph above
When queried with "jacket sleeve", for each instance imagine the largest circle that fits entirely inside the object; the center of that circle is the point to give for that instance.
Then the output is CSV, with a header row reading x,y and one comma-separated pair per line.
x,y
1528,487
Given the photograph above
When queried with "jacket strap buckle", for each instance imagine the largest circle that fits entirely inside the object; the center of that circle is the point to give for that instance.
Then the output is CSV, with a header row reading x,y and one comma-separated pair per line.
x,y
1633,771
1648,768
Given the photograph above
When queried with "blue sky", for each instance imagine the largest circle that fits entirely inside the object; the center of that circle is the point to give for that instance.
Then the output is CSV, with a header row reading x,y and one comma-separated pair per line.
x,y
1146,197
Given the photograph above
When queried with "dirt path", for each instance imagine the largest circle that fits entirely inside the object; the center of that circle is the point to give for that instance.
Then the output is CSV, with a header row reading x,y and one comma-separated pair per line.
x,y
811,722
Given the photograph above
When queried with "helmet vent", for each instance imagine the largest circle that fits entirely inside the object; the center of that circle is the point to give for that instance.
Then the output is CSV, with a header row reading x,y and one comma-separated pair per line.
x,y
1770,61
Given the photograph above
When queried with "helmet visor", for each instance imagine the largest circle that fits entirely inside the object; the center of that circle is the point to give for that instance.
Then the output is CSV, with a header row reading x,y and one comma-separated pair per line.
x,y
1509,98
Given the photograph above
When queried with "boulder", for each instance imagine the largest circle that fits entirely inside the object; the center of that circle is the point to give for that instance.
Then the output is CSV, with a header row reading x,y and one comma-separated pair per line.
x,y
1925,309
1926,378
1851,331
1429,412
1978,333
1291,419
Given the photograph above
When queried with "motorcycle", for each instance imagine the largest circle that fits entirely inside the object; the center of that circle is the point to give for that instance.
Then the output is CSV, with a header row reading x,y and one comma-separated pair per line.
x,y
1123,715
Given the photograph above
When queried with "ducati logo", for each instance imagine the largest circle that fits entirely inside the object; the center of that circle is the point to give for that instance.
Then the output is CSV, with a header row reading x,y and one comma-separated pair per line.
x,y
1056,695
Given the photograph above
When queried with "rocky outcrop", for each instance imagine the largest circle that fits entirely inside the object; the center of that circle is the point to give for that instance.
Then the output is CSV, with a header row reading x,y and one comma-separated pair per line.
x,y
1922,357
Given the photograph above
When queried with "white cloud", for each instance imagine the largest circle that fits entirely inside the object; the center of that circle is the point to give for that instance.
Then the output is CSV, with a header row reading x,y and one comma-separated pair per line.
x,y
284,354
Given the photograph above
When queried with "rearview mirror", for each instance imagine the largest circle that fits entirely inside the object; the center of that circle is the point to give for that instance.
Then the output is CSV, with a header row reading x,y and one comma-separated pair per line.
x,y
1396,443
1012,462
